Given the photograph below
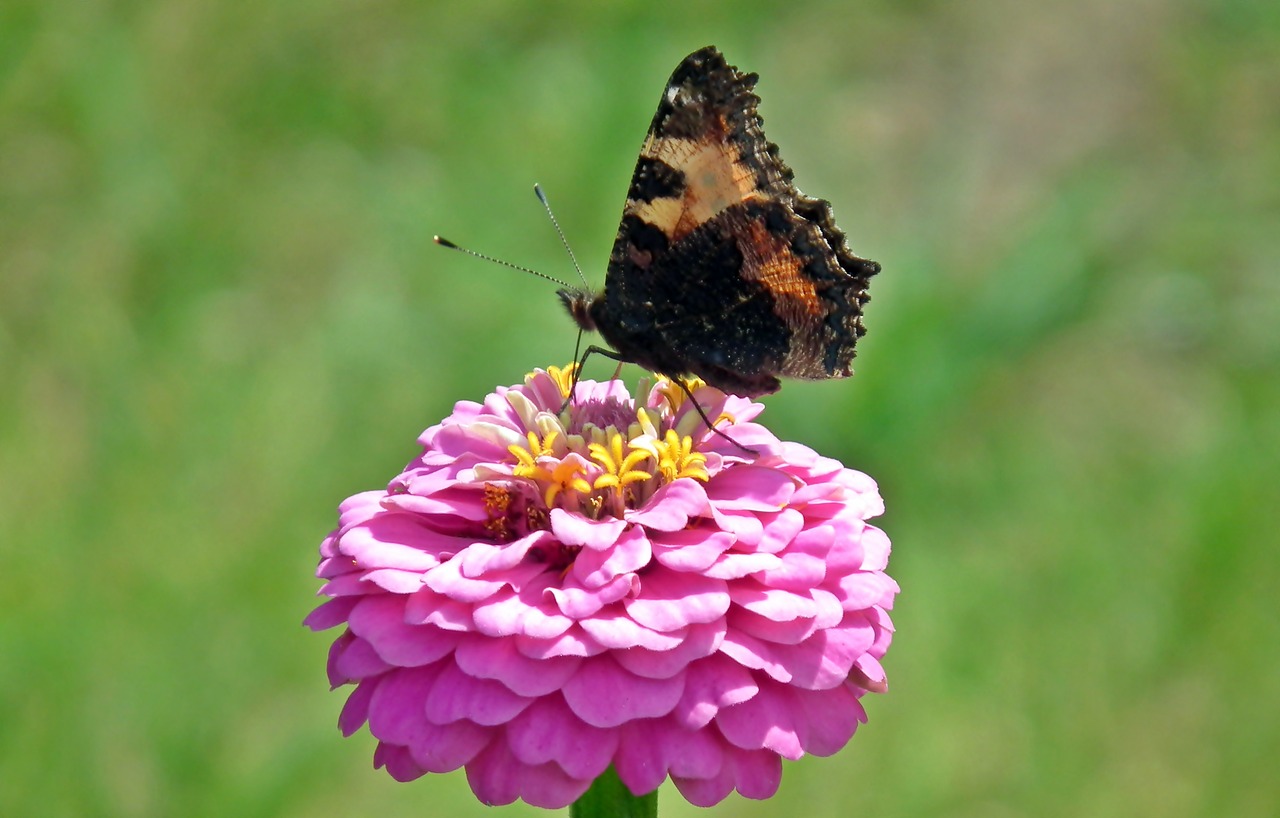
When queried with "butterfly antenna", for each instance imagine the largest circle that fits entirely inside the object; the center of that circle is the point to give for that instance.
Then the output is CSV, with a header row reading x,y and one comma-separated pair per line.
x,y
542,197
443,242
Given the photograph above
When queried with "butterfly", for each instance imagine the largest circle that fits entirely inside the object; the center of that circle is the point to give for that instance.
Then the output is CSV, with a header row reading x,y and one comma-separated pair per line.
x,y
722,269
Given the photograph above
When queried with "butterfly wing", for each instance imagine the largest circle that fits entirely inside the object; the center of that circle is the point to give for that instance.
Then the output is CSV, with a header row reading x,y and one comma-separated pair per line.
x,y
721,267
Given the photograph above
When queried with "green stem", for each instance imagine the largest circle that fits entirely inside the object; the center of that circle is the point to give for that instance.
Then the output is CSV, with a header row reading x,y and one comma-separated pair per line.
x,y
608,797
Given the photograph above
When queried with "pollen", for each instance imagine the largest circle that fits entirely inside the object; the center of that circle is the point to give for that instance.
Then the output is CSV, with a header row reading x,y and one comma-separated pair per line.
x,y
497,504
496,500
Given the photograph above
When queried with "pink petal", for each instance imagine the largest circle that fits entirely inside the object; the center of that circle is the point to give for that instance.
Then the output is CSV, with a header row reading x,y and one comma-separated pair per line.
x,y
745,526
355,712
754,653
756,774
617,631
498,659
397,761
651,747
480,440
497,408
774,603
355,659
751,488
394,580
487,559
669,601
351,584
711,684
736,566
873,673
574,529
426,607
443,748
830,611
801,457
765,721
598,567
455,695
333,566
604,695
790,632
498,777
709,791
549,731
824,660
380,621
426,475
862,486
396,541
816,539
846,553
690,644
527,612
883,628
543,391
798,572
451,503
780,530
864,589
832,717
875,544
447,579
359,507
671,506
692,549
816,492
339,646
749,435
577,602
396,713
573,642
330,614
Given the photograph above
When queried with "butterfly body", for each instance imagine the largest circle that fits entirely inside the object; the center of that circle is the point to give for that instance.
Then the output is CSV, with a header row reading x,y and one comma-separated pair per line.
x,y
721,268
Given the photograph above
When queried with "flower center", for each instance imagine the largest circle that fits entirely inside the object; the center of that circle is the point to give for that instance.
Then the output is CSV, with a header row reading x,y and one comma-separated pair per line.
x,y
603,454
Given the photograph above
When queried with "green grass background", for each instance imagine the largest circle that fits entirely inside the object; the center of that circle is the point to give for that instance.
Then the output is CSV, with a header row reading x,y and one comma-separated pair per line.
x,y
221,313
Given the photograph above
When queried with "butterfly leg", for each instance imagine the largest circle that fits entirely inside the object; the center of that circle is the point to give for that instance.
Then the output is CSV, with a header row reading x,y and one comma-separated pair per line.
x,y
702,414
608,353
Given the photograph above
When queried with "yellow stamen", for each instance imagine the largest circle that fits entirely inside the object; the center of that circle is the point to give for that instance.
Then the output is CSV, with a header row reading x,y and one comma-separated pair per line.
x,y
527,458
563,377
676,458
619,469
673,394
565,477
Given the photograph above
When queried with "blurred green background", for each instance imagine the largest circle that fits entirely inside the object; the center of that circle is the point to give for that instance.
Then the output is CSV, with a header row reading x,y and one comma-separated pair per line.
x,y
221,313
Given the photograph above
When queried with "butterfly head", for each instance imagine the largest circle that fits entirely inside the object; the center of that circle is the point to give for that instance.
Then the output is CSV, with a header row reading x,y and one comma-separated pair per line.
x,y
579,303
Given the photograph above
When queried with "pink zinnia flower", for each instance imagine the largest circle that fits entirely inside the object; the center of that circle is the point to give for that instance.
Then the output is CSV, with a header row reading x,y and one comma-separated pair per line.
x,y
543,594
